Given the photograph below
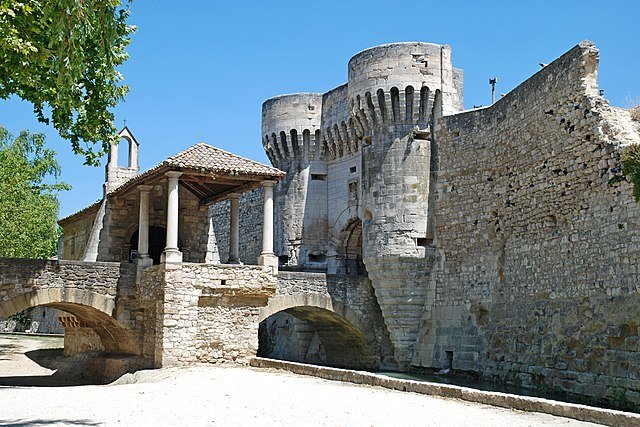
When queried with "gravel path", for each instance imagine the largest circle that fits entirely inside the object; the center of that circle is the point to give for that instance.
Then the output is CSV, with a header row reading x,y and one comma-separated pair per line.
x,y
209,395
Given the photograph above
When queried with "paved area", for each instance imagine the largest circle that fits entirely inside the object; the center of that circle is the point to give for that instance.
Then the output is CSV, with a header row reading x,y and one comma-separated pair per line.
x,y
209,395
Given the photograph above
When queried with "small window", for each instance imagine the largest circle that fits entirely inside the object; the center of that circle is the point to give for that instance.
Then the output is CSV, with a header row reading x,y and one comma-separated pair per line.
x,y
456,133
424,241
318,177
448,362
353,169
319,258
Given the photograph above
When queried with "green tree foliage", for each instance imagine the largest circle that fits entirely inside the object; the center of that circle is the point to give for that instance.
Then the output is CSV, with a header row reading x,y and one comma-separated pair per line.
x,y
62,55
28,203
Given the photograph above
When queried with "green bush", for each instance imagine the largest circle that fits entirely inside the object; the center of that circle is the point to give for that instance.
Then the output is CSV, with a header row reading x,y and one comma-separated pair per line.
x,y
631,167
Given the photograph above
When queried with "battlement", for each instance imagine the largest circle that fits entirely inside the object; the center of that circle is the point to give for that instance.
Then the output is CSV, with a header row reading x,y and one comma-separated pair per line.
x,y
394,84
291,128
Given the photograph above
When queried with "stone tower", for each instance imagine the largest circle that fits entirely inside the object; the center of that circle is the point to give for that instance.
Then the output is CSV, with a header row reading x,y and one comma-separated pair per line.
x,y
361,162
116,174
396,92
290,135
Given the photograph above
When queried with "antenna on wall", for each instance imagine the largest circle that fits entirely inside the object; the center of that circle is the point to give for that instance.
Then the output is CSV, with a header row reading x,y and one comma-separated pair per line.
x,y
493,82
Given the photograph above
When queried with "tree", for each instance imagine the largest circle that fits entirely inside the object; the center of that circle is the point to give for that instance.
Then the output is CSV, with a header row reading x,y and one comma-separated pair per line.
x,y
62,55
28,202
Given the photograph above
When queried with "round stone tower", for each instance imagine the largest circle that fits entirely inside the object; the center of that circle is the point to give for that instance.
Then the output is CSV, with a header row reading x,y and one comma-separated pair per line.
x,y
290,137
396,92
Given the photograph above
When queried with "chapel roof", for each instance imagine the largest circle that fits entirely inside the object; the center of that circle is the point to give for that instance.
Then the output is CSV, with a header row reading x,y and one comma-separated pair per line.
x,y
208,172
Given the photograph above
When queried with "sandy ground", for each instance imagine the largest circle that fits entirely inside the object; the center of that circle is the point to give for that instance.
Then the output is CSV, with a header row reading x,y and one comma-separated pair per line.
x,y
209,395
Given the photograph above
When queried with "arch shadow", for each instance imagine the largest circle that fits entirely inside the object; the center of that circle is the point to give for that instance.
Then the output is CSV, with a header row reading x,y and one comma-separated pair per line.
x,y
347,340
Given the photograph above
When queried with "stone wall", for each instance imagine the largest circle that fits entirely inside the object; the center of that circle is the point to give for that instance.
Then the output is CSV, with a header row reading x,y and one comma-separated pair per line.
x,y
121,222
94,293
250,209
76,234
536,281
205,312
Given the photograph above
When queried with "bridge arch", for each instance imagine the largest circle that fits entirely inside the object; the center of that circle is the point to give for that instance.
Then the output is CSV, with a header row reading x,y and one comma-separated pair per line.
x,y
346,338
91,309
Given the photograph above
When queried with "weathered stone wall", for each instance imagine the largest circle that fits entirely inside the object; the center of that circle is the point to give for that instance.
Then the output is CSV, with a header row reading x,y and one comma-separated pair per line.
x,y
205,312
121,222
150,293
536,279
94,293
250,208
27,283
76,234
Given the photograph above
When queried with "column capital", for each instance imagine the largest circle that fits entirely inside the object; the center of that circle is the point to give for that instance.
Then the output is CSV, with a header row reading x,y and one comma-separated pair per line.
x,y
269,183
145,188
234,196
173,174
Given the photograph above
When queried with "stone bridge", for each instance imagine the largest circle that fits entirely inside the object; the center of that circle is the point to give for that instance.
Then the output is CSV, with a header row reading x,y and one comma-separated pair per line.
x,y
95,293
339,312
174,314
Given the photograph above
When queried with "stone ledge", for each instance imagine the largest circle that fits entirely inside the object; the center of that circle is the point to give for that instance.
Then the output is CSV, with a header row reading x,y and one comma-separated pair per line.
x,y
503,400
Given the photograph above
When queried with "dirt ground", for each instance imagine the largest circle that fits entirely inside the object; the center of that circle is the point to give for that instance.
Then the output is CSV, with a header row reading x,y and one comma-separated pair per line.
x,y
210,395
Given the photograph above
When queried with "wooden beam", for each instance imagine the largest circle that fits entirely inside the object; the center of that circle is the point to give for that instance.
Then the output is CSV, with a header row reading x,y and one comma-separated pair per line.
x,y
222,175
221,196
193,189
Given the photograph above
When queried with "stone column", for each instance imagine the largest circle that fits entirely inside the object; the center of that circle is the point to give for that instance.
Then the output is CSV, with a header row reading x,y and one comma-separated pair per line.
x,y
171,252
113,157
268,258
234,232
143,227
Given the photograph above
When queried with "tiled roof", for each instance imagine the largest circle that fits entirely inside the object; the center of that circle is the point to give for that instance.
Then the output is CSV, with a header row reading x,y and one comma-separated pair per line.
x,y
205,157
200,157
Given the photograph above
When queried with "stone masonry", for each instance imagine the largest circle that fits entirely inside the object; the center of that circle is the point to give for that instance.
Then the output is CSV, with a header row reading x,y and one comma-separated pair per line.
x,y
500,240
409,234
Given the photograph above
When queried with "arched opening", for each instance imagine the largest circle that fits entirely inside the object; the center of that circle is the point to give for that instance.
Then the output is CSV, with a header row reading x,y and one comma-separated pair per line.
x,y
124,152
315,335
92,348
157,243
350,249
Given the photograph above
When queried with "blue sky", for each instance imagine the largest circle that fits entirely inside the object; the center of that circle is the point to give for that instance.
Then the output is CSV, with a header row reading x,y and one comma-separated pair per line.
x,y
200,70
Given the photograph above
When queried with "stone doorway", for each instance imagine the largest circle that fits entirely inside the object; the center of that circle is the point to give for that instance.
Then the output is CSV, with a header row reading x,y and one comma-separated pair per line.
x,y
157,243
353,248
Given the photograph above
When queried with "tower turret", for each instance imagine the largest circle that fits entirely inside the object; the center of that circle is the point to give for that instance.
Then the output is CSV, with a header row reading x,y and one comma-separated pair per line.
x,y
291,139
395,93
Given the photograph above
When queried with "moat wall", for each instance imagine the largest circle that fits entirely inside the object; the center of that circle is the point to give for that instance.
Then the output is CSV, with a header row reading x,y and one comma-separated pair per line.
x,y
536,275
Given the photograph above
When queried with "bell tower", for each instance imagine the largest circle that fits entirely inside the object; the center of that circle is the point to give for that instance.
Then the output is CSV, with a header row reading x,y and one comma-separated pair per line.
x,y
116,174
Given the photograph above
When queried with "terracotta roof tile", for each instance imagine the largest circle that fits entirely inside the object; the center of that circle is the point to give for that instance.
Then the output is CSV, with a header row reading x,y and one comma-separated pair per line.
x,y
205,157
201,157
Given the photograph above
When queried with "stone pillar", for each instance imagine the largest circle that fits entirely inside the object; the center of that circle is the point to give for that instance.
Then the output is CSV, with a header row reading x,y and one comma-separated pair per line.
x,y
234,232
143,227
268,258
113,157
171,252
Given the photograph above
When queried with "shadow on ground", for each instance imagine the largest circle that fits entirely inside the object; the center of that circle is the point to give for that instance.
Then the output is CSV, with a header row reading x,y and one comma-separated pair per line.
x,y
69,371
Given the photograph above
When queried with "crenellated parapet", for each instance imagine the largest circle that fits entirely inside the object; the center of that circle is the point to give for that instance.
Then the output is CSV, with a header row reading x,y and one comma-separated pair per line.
x,y
396,84
291,129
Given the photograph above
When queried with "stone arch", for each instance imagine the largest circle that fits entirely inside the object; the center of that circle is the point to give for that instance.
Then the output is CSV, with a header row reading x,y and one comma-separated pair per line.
x,y
286,302
347,247
91,309
346,337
